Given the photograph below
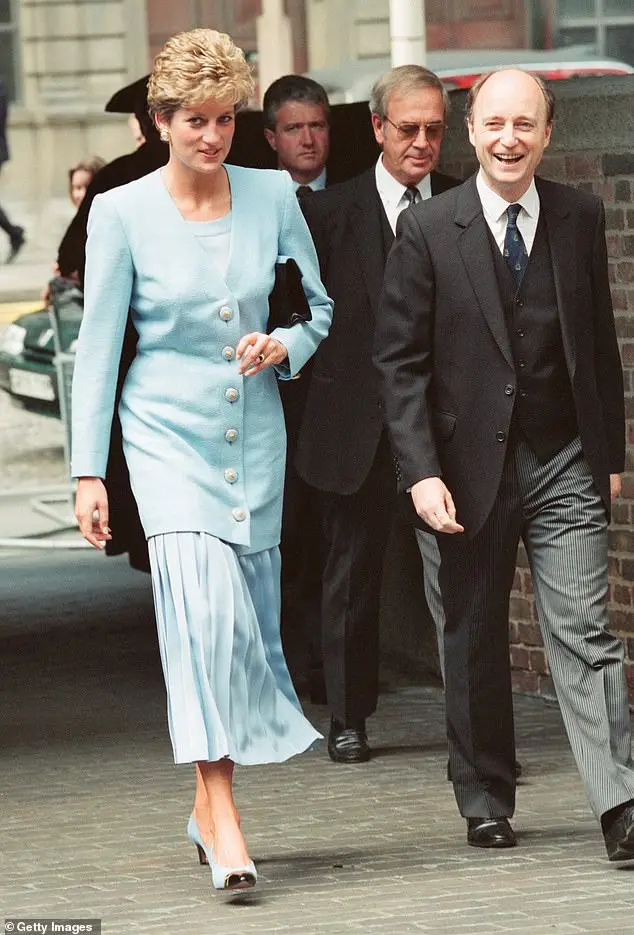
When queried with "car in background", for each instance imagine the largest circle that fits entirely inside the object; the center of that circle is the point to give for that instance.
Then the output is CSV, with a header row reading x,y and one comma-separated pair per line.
x,y
460,68
27,350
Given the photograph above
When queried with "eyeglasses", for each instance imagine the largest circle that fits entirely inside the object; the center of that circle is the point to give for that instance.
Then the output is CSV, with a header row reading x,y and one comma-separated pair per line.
x,y
409,131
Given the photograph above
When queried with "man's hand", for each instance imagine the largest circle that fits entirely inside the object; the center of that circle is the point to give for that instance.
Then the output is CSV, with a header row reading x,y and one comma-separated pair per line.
x,y
434,504
615,486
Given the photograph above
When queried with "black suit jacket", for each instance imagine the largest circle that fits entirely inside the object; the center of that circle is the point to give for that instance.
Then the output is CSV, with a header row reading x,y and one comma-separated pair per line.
x,y
443,352
342,423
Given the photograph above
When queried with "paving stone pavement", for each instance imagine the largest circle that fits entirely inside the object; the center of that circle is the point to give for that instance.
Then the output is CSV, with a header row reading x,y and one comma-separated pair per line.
x,y
93,811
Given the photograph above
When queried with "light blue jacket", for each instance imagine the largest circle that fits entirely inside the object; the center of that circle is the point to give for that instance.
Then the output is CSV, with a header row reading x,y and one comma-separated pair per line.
x,y
205,446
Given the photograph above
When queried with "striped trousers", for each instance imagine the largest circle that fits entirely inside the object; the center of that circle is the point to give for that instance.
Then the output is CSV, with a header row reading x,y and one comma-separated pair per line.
x,y
556,510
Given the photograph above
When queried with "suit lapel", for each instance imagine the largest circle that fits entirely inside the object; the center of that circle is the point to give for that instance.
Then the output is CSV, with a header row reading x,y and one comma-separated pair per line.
x,y
563,259
367,229
473,246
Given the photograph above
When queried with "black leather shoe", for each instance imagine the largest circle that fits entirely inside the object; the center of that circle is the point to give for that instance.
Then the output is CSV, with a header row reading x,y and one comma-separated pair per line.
x,y
490,832
348,744
619,834
17,242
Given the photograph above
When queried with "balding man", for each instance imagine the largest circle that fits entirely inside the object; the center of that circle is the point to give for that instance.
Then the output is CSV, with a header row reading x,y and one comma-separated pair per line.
x,y
503,393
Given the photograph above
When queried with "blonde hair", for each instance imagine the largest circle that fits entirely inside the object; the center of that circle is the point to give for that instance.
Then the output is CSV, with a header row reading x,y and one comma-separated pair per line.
x,y
197,66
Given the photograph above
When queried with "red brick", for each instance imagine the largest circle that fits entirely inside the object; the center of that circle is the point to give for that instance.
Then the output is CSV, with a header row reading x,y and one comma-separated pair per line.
x,y
627,353
625,272
615,219
527,583
553,167
529,634
627,491
606,191
520,658
615,245
520,609
627,245
537,661
622,594
622,621
583,167
621,513
527,682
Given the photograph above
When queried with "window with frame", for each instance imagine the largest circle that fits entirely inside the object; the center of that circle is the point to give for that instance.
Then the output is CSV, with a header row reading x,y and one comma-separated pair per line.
x,y
607,25
8,46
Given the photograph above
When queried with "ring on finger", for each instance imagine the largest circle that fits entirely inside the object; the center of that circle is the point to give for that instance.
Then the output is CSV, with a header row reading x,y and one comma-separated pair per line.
x,y
260,358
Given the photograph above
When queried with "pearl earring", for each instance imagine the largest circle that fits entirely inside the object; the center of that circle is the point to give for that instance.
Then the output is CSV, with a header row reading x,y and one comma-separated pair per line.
x,y
165,137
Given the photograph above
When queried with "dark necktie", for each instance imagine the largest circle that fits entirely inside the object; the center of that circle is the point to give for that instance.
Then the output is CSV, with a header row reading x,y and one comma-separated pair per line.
x,y
302,190
412,195
514,247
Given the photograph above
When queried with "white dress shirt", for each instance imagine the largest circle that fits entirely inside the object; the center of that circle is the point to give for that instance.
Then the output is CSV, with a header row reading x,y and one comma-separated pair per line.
x,y
494,208
317,184
392,192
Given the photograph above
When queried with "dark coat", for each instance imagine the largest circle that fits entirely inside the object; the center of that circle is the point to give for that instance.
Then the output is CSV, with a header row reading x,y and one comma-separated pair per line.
x,y
444,354
342,421
152,154
127,532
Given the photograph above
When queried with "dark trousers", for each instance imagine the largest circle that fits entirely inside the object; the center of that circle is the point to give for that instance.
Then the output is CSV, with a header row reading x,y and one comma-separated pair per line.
x,y
5,224
556,510
302,551
356,528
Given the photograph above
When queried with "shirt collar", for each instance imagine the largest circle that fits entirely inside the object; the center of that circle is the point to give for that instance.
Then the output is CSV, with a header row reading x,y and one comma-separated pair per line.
x,y
317,184
391,190
494,206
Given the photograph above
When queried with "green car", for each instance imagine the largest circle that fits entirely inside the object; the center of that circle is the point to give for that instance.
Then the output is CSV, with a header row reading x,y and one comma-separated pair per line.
x,y
27,350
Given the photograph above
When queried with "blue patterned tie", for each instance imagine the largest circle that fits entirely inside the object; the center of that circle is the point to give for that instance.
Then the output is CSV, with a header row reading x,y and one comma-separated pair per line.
x,y
514,247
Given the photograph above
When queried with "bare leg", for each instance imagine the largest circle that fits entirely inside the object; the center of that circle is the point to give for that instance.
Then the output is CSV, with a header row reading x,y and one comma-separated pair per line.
x,y
202,813
222,827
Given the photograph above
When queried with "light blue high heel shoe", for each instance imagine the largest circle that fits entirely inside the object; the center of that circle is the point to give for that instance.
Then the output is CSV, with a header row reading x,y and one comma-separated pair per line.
x,y
223,878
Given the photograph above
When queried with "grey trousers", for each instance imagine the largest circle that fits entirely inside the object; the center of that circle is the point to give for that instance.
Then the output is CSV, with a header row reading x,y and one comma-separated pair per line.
x,y
430,554
557,511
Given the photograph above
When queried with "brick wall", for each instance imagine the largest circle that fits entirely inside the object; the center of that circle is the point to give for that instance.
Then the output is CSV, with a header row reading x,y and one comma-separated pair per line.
x,y
603,164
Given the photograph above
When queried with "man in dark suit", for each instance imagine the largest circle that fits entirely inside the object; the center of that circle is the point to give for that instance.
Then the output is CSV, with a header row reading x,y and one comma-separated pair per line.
x,y
295,113
13,232
503,393
343,450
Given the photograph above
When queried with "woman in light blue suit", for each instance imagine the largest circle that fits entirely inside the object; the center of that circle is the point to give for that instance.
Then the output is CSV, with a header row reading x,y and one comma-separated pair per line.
x,y
191,250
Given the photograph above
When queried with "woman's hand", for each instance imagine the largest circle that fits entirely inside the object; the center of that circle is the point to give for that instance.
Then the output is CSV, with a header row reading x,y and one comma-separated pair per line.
x,y
91,510
257,351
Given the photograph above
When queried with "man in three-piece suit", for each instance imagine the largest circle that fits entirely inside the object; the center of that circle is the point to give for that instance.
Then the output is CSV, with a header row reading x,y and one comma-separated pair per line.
x,y
502,389
343,450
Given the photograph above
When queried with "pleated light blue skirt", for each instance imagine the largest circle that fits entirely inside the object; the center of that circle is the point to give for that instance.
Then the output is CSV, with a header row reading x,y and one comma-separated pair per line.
x,y
229,693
